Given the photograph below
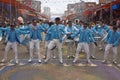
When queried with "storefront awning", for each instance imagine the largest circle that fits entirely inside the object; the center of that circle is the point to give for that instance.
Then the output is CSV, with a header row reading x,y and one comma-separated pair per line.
x,y
17,4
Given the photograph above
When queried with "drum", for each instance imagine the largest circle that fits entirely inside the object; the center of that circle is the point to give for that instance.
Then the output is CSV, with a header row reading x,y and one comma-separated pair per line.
x,y
69,40
66,39
76,39
97,38
104,35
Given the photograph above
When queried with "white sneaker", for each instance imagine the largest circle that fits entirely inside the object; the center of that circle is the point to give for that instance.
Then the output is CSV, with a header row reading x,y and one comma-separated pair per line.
x,y
39,61
61,61
104,61
46,60
74,61
114,62
30,60
100,49
16,61
54,57
3,60
89,62
83,51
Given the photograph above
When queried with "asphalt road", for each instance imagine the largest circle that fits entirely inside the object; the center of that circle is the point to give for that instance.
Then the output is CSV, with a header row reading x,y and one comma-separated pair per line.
x,y
55,71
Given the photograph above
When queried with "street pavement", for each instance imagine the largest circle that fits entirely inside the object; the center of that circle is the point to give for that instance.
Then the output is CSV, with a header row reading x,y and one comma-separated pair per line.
x,y
53,70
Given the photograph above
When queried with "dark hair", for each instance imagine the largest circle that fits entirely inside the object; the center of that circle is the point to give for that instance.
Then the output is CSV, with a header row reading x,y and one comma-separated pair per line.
x,y
76,20
12,25
51,23
57,19
21,23
81,21
114,27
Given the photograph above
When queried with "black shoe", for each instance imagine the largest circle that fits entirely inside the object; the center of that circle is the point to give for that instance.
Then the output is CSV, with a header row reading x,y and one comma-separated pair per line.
x,y
92,57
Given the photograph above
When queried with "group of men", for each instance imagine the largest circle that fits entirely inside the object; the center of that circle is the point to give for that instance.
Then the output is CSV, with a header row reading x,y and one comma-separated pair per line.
x,y
82,34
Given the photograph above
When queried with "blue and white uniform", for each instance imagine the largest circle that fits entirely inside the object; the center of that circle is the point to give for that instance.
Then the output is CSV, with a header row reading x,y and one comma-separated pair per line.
x,y
100,33
70,30
112,41
35,38
79,27
12,38
56,32
92,45
69,41
45,26
84,41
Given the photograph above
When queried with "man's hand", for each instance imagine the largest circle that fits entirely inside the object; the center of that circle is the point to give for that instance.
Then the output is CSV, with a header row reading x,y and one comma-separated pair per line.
x,y
105,42
113,45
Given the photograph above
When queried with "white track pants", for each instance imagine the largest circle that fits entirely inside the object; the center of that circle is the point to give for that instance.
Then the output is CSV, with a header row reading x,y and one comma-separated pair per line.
x,y
46,47
107,49
93,49
14,47
55,42
35,43
84,46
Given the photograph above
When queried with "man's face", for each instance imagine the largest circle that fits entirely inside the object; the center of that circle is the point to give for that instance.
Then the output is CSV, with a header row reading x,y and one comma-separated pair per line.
x,y
101,24
34,23
12,27
85,26
70,23
90,26
57,21
77,22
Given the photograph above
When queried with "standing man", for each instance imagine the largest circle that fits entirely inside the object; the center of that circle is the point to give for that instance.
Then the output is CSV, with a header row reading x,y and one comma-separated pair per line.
x,y
56,32
47,39
112,41
103,33
12,39
92,45
70,29
35,38
84,40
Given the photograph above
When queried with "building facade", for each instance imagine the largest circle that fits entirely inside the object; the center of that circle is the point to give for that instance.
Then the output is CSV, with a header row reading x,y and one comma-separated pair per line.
x,y
47,12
